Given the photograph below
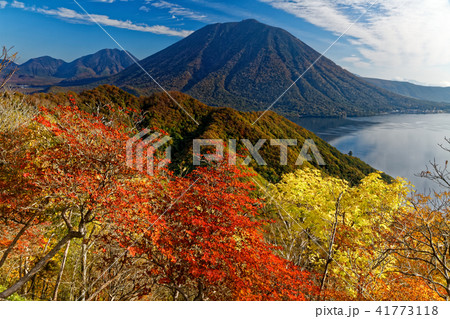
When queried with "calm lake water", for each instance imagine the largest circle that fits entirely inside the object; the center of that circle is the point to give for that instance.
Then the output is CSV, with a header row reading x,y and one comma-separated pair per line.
x,y
400,145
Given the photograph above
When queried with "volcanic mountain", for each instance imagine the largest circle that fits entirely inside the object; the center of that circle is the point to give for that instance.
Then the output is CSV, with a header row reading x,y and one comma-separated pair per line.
x,y
247,65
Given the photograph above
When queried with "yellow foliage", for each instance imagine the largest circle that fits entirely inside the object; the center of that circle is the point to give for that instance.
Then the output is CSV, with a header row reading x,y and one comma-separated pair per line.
x,y
340,222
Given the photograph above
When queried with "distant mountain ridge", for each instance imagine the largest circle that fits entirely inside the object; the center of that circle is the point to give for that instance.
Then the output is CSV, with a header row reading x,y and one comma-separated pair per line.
x,y
45,66
103,63
247,65
47,70
430,93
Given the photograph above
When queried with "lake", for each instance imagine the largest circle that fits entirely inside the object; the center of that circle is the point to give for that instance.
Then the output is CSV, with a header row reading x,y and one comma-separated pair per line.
x,y
400,145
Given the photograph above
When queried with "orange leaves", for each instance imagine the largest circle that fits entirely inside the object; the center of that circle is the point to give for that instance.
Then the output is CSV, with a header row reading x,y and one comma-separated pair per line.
x,y
41,119
188,232
398,287
203,220
134,250
66,161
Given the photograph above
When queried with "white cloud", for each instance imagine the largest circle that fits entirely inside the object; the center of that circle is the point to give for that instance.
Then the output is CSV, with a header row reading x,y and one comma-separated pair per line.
x,y
400,35
355,61
17,4
144,8
76,17
176,10
445,83
3,4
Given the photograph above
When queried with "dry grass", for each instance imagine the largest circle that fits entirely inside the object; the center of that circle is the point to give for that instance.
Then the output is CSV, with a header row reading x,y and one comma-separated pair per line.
x,y
15,111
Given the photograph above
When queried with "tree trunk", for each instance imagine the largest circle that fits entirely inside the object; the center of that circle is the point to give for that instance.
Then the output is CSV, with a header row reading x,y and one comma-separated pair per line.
x,y
84,268
33,287
39,265
330,247
58,280
16,239
199,296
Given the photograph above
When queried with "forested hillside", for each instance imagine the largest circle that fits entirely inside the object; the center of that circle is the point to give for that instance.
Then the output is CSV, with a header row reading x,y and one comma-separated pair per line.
x,y
79,221
221,123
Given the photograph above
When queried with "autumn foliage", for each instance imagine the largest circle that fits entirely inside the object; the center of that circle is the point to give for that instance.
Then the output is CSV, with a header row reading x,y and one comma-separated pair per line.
x,y
78,222
196,237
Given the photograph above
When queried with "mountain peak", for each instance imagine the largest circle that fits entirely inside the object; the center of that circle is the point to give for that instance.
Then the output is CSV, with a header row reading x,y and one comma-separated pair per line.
x,y
105,62
43,66
251,21
247,65
43,58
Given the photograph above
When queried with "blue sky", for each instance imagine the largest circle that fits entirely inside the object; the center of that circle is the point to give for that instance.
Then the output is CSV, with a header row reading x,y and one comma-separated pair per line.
x,y
393,39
